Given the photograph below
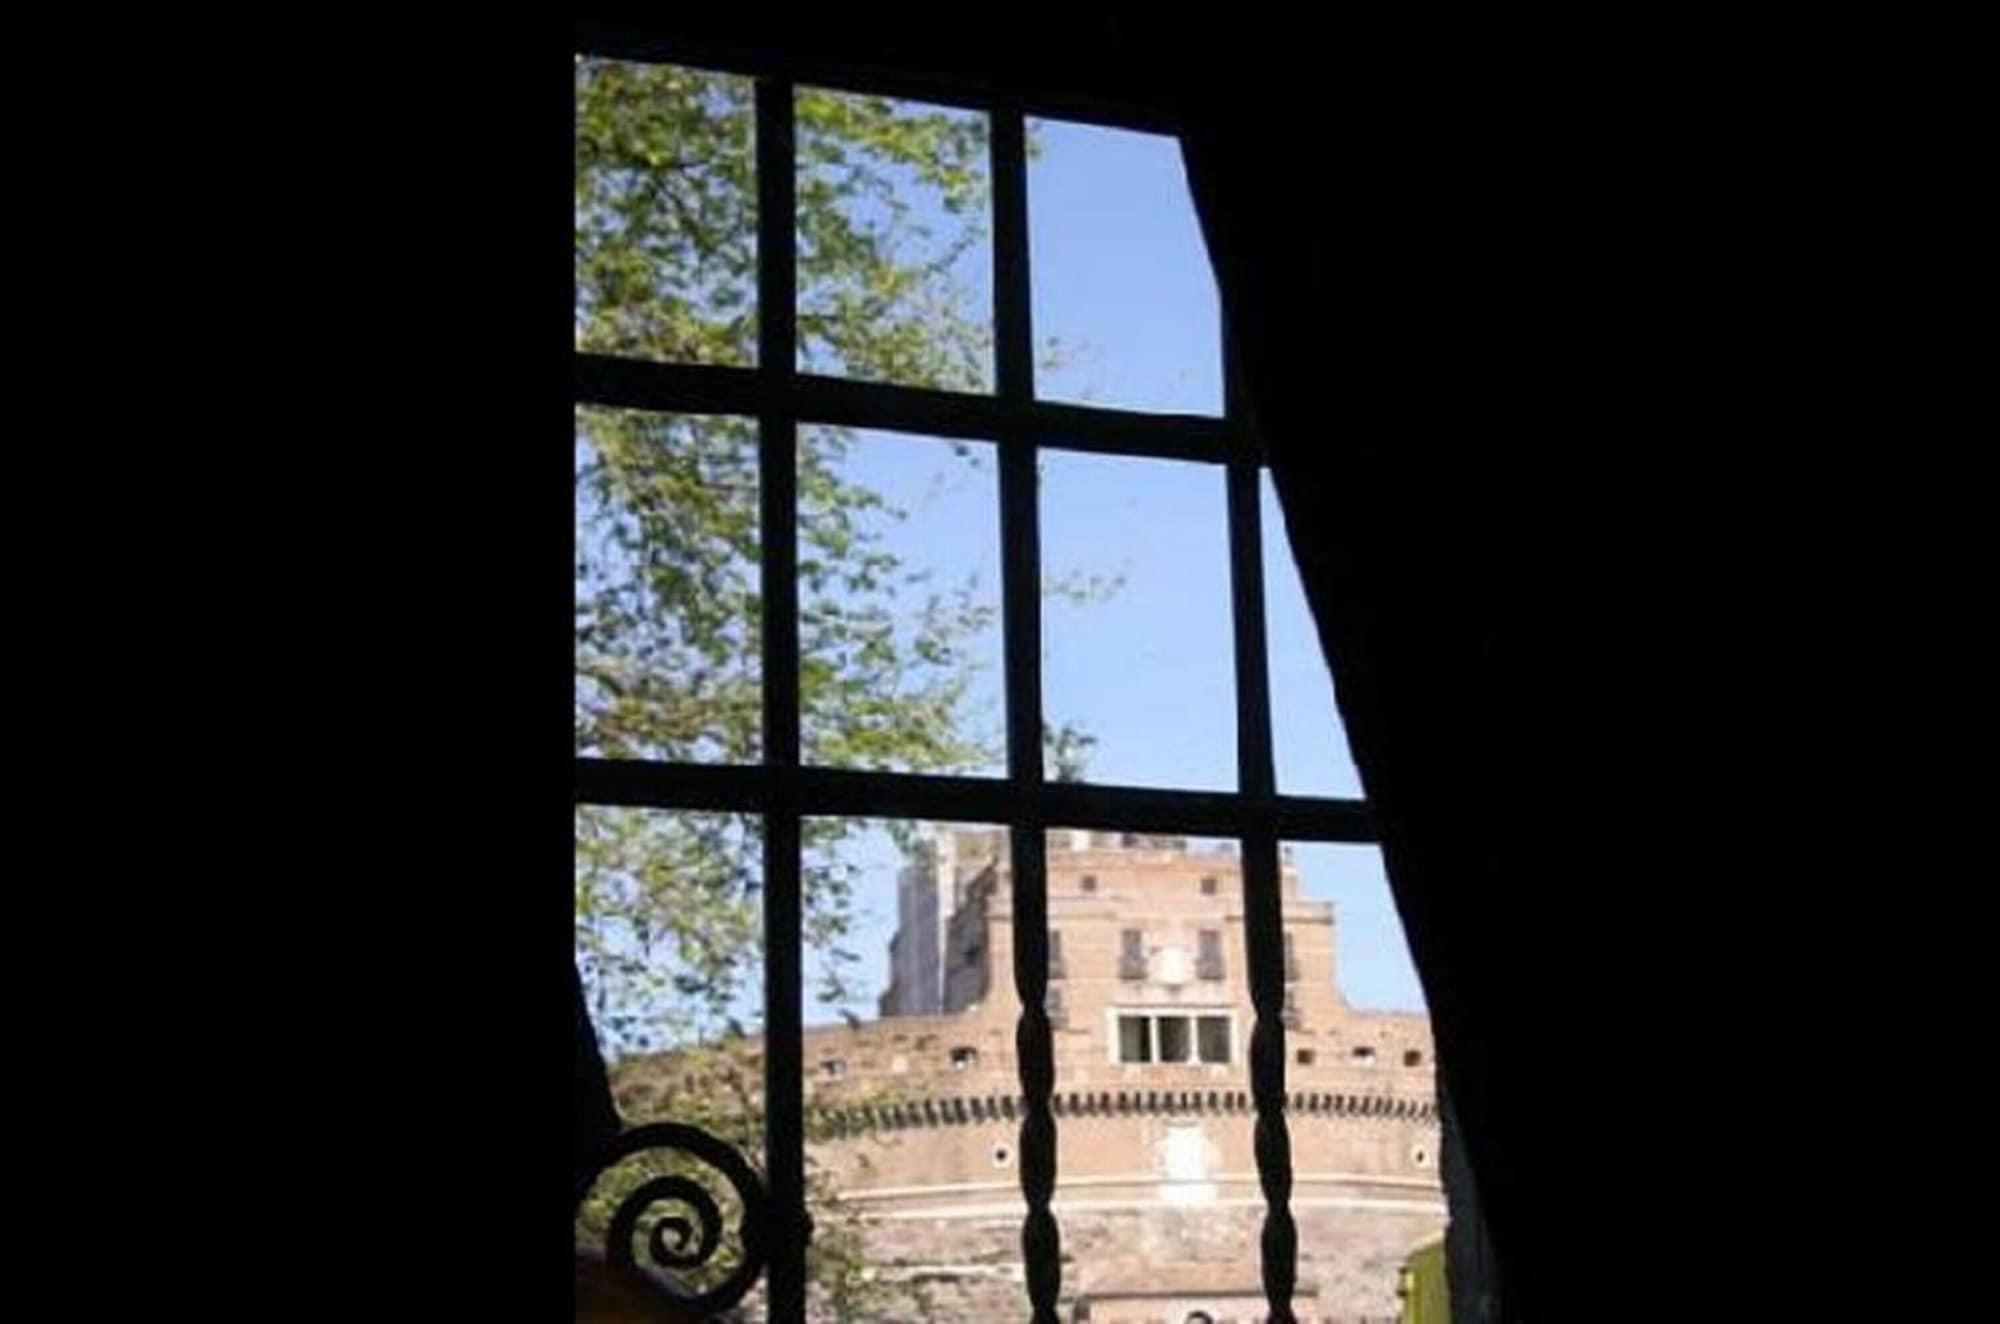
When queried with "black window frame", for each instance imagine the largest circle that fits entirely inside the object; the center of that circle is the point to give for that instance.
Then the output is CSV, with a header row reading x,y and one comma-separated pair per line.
x,y
782,790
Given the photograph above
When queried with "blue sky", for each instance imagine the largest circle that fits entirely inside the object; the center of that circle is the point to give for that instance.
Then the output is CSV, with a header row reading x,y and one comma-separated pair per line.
x,y
1122,282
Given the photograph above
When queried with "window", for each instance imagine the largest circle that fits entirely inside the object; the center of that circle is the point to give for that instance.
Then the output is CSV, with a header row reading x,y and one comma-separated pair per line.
x,y
1364,1054
1131,954
1208,885
1208,962
1053,1005
1213,1038
1135,1039
1413,1058
963,1058
731,411
1173,1032
1089,882
1171,1038
1306,1057
833,1068
1057,970
1291,961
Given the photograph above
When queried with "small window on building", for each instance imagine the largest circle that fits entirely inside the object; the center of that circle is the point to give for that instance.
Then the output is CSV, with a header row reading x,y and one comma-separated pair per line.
x,y
1173,1031
1420,1156
1291,961
1056,968
1002,1156
1135,1039
833,1068
1132,954
963,1057
1413,1058
1212,1035
1306,1057
1052,1003
1089,882
1208,885
1208,960
1363,1053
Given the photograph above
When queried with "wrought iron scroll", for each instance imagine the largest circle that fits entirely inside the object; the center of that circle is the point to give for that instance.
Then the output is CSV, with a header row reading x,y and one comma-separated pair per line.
x,y
679,1243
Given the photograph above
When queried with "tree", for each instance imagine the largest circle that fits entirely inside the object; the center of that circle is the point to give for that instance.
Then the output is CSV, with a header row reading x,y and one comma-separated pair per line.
x,y
890,200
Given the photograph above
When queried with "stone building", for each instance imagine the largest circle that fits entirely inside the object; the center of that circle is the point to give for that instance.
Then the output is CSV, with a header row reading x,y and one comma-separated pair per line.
x,y
916,1114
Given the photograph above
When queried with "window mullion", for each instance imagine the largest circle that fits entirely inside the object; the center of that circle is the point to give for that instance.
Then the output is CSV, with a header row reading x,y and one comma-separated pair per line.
x,y
777,355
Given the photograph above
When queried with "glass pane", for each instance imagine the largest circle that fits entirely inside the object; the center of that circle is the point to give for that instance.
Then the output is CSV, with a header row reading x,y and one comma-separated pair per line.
x,y
1308,741
1135,1039
1124,299
1369,958
911,1075
666,213
895,261
1214,1033
1138,651
1154,1132
667,602
1173,1032
1360,1034
669,944
899,589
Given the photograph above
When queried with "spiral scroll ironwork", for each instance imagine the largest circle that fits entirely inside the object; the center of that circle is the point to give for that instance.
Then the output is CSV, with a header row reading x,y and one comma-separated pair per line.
x,y
684,1241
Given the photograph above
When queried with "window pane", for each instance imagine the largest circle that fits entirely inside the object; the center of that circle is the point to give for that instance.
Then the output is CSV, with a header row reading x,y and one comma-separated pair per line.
x,y
1155,1146
1359,1015
1135,1039
1139,659
666,213
899,593
667,601
894,255
669,945
909,1004
1124,297
1214,1035
1360,948
1173,1032
1309,743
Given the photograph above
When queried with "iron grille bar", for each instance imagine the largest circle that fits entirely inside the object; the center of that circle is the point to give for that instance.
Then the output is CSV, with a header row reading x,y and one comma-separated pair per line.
x,y
851,793
1254,775
784,1083
965,90
696,388
1021,606
1263,927
1263,901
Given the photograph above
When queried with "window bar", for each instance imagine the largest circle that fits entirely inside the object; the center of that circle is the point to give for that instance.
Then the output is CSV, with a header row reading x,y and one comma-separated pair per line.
x,y
1263,905
1013,335
787,1226
852,793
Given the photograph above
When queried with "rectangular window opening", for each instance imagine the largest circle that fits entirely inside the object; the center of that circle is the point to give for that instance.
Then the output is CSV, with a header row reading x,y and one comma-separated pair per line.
x,y
872,471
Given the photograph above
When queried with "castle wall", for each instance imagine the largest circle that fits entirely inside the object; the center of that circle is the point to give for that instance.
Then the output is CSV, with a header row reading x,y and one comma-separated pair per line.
x,y
1145,1264
914,1120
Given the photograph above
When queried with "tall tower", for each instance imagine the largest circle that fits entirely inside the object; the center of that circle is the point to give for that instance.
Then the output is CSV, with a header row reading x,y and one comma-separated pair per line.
x,y
928,893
